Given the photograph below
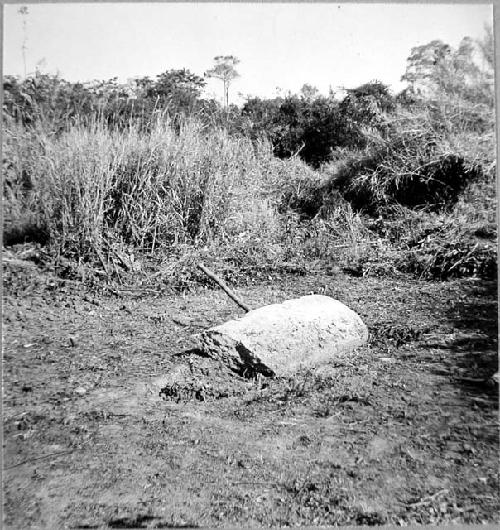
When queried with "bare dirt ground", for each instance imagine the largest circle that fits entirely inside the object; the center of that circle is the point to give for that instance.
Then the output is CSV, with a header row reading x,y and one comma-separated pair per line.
x,y
112,421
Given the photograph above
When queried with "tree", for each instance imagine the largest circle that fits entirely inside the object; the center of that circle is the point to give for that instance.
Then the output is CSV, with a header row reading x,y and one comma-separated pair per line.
x,y
224,70
47,97
308,125
178,90
424,66
436,70
487,46
456,85
367,102
309,92
365,107
23,11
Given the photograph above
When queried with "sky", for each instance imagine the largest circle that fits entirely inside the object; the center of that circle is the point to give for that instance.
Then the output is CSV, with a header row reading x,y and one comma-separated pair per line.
x,y
280,45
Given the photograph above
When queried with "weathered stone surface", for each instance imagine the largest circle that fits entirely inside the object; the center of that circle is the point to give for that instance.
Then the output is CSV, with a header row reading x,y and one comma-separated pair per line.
x,y
279,339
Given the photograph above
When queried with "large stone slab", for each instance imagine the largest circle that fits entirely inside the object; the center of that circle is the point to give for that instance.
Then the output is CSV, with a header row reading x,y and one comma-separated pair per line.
x,y
279,339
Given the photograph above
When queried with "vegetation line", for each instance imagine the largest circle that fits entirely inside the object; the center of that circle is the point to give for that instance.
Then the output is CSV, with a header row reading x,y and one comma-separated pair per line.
x,y
137,183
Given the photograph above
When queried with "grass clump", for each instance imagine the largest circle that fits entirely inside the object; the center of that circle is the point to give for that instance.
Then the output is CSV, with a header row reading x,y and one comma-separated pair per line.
x,y
95,190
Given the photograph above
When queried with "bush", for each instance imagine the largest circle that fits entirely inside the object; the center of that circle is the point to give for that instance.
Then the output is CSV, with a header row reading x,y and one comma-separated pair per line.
x,y
55,102
298,126
439,246
413,165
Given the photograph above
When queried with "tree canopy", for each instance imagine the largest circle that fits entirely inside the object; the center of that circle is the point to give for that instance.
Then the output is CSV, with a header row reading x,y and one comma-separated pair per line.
x,y
224,70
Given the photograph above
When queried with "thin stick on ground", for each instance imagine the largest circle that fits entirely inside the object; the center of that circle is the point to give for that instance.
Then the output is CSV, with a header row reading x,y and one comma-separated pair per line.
x,y
29,460
224,287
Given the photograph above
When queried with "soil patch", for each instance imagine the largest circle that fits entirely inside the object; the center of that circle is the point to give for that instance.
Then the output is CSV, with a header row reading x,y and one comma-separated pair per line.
x,y
112,420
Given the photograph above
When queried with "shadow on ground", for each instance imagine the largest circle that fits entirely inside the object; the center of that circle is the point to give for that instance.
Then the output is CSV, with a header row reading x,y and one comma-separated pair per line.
x,y
474,341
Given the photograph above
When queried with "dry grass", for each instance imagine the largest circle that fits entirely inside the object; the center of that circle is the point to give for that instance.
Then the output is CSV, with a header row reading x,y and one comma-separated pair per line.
x,y
428,186
93,189
413,161
419,198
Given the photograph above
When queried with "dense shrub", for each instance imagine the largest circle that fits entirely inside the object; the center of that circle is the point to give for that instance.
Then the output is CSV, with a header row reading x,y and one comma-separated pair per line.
x,y
298,126
311,126
55,102
413,164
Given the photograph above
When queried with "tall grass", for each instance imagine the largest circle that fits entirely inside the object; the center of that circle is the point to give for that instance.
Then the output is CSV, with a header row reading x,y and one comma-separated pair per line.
x,y
419,198
92,188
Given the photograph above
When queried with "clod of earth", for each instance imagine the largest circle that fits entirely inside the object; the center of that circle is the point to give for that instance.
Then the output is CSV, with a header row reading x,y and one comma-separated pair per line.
x,y
279,339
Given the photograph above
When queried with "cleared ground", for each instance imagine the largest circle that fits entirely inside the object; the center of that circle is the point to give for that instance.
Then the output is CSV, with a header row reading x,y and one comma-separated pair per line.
x,y
112,421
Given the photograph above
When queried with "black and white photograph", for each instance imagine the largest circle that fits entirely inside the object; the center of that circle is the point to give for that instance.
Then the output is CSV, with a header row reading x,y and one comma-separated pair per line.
x,y
249,265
